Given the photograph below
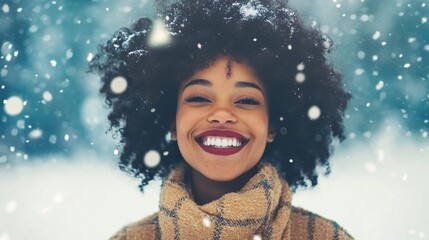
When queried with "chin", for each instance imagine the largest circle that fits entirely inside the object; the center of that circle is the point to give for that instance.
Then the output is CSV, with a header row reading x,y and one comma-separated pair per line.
x,y
222,178
221,175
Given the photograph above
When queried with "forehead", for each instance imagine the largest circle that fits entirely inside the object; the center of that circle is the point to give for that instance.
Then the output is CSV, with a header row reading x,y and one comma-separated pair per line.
x,y
225,74
228,70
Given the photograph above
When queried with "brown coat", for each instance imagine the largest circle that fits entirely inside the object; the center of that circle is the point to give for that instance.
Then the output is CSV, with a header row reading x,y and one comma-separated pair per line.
x,y
260,210
305,226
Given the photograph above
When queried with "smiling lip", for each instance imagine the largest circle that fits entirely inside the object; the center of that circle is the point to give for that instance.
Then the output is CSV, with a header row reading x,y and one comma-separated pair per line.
x,y
221,150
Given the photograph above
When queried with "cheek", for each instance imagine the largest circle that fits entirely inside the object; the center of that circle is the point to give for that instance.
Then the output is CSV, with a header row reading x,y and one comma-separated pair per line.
x,y
180,121
259,122
184,120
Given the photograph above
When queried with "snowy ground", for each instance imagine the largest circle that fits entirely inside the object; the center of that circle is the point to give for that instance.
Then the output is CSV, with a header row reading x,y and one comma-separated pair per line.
x,y
377,190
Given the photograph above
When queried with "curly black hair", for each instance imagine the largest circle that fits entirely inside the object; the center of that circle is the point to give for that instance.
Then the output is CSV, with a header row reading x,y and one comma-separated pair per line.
x,y
289,58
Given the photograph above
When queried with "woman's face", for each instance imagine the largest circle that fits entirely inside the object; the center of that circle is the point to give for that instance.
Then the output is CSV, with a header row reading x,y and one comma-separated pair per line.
x,y
222,120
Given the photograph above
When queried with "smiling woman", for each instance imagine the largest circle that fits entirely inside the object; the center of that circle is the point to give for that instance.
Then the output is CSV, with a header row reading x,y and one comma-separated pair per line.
x,y
215,110
221,127
241,105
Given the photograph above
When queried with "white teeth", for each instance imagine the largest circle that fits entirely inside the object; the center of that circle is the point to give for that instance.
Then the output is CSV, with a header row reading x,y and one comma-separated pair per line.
x,y
234,142
221,142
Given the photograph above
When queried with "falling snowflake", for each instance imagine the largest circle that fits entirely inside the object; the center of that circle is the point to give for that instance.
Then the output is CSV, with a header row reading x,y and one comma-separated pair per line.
x,y
116,152
314,112
47,96
90,57
376,35
359,71
159,35
13,106
379,85
300,77
35,134
53,63
300,67
152,159
206,222
5,8
118,85
257,237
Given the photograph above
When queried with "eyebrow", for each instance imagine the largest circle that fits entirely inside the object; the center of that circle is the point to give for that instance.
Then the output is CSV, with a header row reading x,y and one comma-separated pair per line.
x,y
207,83
202,82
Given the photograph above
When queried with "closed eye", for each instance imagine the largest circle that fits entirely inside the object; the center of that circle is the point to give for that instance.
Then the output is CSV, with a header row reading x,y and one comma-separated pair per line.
x,y
248,101
196,99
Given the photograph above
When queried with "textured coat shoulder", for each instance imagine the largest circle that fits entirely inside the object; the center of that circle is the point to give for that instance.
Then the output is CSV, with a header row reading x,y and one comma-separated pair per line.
x,y
305,225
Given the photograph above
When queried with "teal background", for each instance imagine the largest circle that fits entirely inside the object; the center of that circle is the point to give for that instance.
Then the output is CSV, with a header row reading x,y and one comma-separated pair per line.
x,y
70,188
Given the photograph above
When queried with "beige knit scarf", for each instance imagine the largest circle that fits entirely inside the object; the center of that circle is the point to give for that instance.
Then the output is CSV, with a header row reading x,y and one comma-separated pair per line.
x,y
260,210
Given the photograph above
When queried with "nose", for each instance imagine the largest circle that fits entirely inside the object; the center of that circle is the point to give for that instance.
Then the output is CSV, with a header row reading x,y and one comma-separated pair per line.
x,y
222,116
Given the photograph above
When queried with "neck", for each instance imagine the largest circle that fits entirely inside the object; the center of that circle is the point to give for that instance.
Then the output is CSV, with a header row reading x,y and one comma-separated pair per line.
x,y
206,190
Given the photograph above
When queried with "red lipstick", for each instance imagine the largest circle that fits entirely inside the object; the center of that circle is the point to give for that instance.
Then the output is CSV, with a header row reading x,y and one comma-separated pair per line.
x,y
221,142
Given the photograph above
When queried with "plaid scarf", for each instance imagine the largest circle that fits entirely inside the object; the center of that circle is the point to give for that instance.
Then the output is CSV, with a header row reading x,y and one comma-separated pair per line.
x,y
260,210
